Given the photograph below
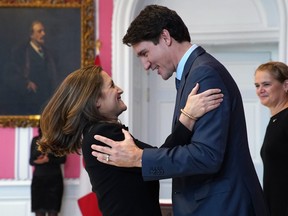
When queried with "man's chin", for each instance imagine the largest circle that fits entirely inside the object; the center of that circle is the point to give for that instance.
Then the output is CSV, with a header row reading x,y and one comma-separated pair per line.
x,y
124,109
165,76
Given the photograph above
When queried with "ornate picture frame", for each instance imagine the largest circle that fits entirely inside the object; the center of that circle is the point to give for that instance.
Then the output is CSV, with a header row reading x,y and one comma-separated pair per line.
x,y
70,10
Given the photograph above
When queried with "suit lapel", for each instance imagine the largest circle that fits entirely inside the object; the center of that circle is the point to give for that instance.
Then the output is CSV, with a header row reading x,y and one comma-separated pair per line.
x,y
187,68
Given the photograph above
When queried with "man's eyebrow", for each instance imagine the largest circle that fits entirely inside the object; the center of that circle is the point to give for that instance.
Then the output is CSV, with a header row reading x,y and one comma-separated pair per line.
x,y
142,52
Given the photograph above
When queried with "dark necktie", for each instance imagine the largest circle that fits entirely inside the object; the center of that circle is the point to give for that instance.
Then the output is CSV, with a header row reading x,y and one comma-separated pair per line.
x,y
177,83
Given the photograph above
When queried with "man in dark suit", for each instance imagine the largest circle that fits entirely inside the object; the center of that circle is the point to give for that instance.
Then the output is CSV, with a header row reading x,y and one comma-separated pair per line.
x,y
213,175
30,75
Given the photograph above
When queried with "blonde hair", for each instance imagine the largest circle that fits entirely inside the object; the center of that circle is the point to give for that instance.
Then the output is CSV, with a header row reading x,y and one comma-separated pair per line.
x,y
278,70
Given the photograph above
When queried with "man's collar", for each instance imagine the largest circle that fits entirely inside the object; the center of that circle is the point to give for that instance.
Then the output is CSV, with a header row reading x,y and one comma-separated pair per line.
x,y
182,62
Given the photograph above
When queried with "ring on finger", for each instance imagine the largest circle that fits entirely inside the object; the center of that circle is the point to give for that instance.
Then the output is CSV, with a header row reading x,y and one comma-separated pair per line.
x,y
107,158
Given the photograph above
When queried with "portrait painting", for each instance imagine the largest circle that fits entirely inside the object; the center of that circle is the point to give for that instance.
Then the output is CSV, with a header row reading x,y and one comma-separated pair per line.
x,y
41,43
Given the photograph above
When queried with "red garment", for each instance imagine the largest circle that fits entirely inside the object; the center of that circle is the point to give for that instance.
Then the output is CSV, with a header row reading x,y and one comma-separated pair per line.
x,y
88,205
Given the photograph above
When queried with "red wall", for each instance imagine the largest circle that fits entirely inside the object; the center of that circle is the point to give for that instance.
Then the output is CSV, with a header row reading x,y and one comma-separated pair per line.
x,y
104,34
7,146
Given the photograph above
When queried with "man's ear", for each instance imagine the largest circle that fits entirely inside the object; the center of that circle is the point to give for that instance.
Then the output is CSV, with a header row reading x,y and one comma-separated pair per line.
x,y
165,35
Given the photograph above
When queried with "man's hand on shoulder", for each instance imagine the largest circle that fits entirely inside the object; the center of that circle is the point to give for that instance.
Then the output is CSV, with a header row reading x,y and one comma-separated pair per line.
x,y
120,153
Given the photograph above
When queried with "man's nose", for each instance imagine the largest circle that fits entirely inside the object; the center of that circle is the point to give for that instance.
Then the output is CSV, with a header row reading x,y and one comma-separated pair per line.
x,y
146,65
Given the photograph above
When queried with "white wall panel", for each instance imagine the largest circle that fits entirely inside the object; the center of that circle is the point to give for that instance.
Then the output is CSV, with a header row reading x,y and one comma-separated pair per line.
x,y
22,153
15,208
15,199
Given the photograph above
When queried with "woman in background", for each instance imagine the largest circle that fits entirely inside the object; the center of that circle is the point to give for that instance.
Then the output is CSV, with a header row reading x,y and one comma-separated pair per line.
x,y
47,181
87,103
271,81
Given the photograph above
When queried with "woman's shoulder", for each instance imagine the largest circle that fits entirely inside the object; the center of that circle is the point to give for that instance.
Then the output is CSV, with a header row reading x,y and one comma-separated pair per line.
x,y
282,114
110,130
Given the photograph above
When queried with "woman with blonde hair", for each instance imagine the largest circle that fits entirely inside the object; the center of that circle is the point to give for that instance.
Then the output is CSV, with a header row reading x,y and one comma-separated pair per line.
x,y
271,82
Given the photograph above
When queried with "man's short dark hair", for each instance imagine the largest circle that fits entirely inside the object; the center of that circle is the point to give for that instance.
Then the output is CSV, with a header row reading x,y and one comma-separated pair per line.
x,y
151,21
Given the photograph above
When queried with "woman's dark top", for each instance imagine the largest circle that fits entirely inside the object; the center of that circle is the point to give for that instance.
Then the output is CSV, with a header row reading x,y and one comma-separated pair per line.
x,y
122,191
274,153
47,182
50,168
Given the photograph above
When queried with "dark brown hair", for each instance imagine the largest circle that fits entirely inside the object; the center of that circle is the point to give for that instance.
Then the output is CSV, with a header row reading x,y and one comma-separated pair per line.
x,y
151,21
70,109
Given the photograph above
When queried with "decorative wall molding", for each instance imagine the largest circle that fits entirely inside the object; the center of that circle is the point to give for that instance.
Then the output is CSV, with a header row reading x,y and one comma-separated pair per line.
x,y
236,37
283,30
121,55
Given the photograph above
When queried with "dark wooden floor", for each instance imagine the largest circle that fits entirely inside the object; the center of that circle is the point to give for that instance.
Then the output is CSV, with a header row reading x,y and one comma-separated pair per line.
x,y
166,210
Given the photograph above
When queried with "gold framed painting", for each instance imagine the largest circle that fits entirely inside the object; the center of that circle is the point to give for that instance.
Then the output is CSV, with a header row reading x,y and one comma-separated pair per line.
x,y
29,74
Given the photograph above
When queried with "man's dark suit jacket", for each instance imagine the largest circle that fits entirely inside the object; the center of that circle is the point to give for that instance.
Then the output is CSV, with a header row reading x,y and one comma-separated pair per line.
x,y
213,175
